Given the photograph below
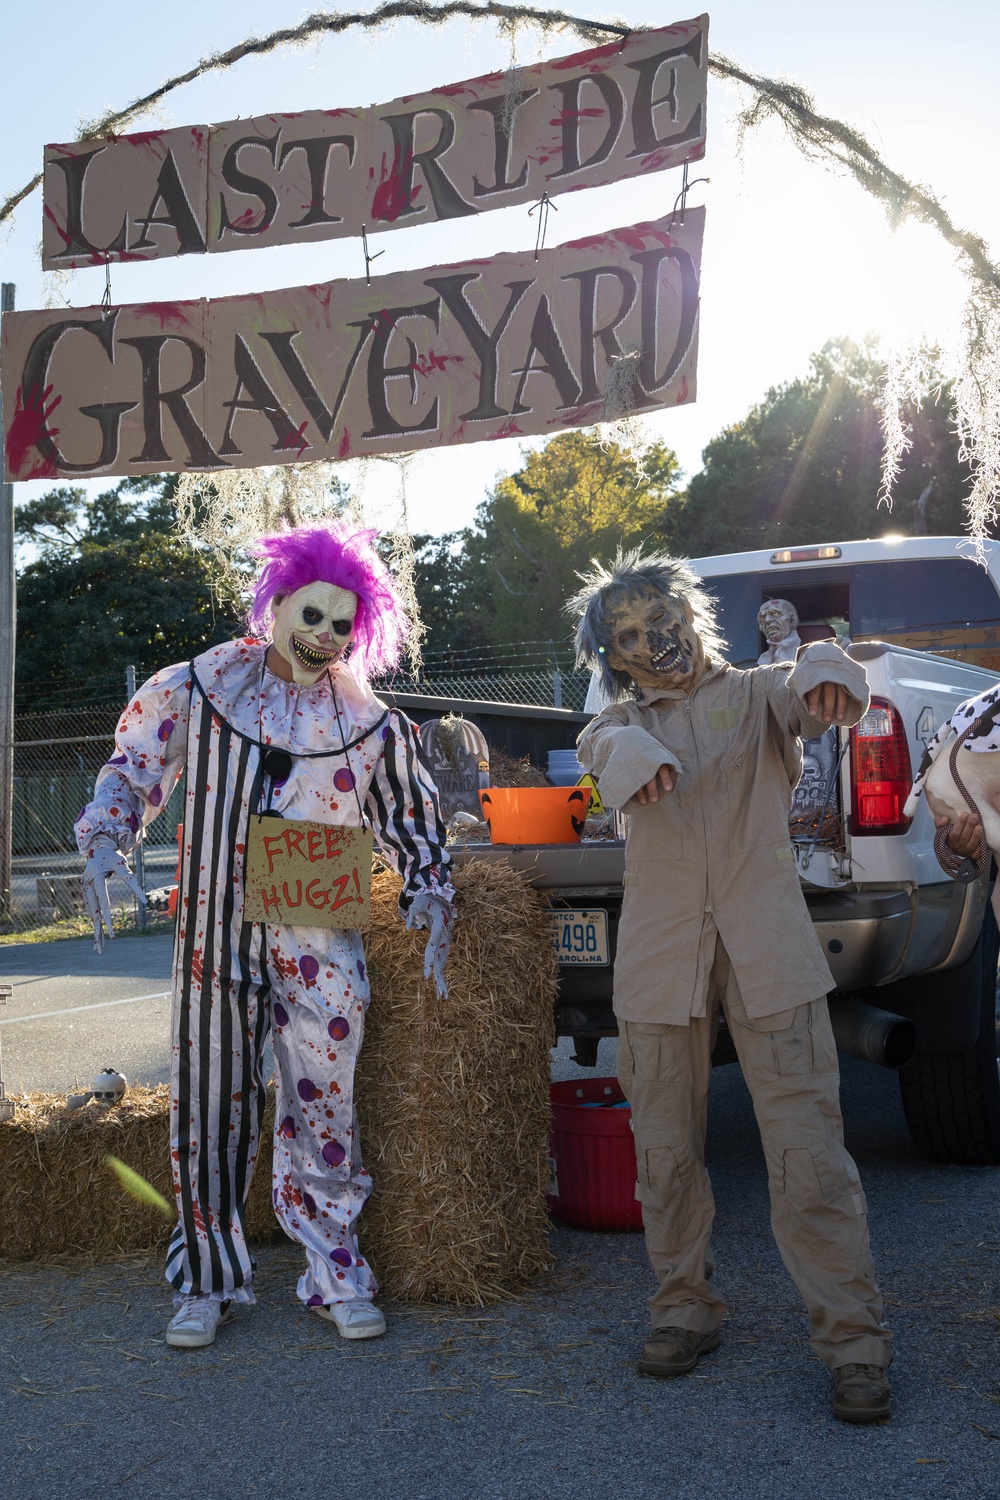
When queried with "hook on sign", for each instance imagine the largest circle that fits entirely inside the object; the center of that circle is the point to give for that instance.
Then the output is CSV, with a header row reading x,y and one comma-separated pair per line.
x,y
368,256
543,205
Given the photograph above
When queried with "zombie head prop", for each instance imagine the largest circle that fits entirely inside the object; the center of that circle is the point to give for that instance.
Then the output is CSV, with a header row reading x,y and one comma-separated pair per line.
x,y
644,622
778,621
321,590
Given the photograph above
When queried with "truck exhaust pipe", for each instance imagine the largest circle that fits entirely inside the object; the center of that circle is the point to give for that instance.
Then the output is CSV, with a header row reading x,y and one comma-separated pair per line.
x,y
875,1035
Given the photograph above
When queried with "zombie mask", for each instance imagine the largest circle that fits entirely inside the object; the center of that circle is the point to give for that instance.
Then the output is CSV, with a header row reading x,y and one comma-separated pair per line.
x,y
777,619
312,628
651,637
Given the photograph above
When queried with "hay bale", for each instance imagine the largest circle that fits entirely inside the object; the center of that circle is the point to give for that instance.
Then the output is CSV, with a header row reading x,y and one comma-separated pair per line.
x,y
57,1197
56,1194
453,1100
453,1095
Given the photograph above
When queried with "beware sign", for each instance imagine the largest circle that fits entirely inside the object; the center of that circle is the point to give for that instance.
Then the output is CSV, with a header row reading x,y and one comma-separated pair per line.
x,y
304,874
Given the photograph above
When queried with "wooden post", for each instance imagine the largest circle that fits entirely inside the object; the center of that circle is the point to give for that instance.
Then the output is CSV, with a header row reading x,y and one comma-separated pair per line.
x,y
8,627
6,1107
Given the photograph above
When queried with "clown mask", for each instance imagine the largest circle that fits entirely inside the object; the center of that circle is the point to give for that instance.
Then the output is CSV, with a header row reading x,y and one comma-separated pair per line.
x,y
652,638
312,628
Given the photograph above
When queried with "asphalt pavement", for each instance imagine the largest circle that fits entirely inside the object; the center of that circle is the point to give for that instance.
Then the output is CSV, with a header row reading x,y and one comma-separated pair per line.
x,y
534,1398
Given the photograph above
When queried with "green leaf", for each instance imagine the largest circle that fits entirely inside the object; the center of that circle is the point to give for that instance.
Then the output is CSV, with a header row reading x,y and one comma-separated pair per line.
x,y
137,1187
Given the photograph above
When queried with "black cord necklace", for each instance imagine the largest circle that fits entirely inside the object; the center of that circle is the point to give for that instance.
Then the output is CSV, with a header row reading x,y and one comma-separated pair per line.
x,y
278,763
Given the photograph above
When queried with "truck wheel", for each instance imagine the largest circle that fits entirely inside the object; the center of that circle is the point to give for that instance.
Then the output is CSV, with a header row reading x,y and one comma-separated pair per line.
x,y
951,1100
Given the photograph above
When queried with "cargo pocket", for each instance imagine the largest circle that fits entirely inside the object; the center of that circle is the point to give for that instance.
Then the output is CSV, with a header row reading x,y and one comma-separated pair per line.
x,y
645,1046
664,1174
812,1179
780,1044
806,1177
792,1044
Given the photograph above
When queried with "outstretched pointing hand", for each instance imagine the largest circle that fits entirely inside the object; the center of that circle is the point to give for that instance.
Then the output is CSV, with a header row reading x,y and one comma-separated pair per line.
x,y
103,861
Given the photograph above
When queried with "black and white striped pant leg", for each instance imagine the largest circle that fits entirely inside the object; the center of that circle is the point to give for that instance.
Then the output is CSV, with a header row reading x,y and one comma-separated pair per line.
x,y
217,1100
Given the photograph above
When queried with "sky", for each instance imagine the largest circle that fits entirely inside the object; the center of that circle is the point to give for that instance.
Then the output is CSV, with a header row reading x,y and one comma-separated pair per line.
x,y
794,255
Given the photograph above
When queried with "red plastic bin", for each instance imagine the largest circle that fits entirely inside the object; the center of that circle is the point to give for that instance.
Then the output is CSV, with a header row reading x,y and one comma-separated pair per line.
x,y
592,1156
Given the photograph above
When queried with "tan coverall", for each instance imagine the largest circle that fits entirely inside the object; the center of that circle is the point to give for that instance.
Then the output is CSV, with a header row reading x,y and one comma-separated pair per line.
x,y
714,916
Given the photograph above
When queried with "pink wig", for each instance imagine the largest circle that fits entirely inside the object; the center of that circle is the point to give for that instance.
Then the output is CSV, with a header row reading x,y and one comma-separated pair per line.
x,y
346,558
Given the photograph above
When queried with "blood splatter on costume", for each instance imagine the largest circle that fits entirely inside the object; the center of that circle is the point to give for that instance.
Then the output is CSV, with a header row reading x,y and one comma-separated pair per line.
x,y
213,719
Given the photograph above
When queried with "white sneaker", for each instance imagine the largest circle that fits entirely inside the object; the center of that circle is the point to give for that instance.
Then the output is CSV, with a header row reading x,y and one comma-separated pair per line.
x,y
359,1319
194,1323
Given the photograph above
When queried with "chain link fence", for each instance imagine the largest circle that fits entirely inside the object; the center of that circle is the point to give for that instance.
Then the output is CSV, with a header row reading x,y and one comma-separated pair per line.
x,y
56,757
57,754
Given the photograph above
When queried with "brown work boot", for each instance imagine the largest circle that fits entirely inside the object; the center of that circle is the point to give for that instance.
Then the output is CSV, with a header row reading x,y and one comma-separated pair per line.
x,y
675,1351
860,1393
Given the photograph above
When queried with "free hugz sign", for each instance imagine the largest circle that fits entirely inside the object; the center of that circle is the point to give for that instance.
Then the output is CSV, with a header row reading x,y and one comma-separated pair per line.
x,y
307,874
625,109
516,345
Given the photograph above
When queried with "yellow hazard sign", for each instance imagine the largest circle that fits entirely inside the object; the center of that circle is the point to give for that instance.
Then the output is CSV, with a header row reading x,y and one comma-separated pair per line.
x,y
596,805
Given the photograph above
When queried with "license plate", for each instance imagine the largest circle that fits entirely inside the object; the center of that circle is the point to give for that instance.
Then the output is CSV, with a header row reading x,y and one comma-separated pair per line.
x,y
581,937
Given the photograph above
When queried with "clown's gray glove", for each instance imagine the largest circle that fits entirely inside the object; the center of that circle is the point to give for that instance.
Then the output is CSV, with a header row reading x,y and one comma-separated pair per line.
x,y
430,909
103,861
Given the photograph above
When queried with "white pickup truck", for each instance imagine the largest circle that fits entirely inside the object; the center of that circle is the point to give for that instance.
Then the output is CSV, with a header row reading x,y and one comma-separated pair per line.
x,y
900,937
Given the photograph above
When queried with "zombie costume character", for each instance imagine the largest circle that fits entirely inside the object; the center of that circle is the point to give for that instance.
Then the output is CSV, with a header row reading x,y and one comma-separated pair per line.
x,y
701,757
778,621
291,727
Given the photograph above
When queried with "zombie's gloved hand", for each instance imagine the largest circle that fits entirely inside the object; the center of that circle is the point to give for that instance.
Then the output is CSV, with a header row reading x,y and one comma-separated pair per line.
x,y
103,861
429,909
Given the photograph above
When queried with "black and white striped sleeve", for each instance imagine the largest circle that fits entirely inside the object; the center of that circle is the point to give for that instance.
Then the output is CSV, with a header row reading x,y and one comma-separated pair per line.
x,y
404,806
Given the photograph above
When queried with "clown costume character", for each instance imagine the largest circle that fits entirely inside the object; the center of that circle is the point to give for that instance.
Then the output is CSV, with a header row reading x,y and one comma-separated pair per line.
x,y
285,722
701,758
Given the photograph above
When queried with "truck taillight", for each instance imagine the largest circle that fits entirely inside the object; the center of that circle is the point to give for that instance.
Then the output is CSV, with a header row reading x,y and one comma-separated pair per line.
x,y
880,771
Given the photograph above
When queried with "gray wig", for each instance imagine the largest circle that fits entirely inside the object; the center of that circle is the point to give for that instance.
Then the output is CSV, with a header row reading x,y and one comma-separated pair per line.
x,y
630,575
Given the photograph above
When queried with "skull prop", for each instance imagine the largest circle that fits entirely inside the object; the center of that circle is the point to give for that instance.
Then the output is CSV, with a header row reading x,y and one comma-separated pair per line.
x,y
109,1087
645,622
778,620
312,628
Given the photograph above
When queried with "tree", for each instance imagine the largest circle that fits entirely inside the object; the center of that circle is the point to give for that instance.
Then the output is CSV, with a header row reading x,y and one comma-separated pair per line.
x,y
110,586
804,466
450,588
572,500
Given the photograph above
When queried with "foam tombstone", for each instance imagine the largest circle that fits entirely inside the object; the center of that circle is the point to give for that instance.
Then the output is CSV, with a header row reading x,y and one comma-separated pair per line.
x,y
459,761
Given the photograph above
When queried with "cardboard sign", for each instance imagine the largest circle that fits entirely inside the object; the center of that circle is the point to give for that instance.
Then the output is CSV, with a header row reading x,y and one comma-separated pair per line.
x,y
479,350
624,109
303,874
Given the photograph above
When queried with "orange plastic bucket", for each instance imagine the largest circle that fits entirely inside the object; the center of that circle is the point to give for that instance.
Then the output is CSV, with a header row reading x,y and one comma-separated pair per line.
x,y
535,814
